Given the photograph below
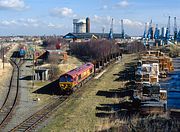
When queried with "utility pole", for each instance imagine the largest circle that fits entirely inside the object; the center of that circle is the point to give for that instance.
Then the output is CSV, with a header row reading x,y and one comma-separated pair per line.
x,y
103,28
2,50
33,66
3,56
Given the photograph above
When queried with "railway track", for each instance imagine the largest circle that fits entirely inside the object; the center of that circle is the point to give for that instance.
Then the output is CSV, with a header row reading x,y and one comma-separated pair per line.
x,y
12,95
31,122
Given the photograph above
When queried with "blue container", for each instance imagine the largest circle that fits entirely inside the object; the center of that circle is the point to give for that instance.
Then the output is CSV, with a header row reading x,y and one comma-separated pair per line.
x,y
22,52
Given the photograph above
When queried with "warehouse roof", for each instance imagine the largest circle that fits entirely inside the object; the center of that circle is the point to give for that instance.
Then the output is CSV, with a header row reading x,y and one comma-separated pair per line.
x,y
89,35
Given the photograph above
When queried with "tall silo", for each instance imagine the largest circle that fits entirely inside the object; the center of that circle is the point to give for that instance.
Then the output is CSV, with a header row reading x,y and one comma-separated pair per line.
x,y
87,25
79,26
75,25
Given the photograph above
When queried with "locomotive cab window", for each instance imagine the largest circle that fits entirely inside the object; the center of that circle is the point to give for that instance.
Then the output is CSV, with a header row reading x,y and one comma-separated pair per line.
x,y
90,70
79,77
75,78
66,78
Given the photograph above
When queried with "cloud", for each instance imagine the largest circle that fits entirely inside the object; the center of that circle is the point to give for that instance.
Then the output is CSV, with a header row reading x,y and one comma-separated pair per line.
x,y
100,19
8,23
20,22
12,4
51,25
104,22
28,23
132,23
104,7
123,4
62,12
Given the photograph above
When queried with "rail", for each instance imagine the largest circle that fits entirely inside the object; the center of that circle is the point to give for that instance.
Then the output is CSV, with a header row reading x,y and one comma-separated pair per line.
x,y
12,95
31,122
39,116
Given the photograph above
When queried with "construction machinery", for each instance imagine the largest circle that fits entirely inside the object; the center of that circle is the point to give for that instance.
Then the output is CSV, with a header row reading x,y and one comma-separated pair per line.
x,y
94,37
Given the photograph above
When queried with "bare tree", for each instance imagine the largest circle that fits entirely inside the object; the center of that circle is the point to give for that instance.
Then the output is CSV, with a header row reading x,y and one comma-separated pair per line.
x,y
95,49
54,60
51,42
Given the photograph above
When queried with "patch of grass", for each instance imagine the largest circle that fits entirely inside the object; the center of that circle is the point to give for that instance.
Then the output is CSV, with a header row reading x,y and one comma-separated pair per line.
x,y
40,83
79,112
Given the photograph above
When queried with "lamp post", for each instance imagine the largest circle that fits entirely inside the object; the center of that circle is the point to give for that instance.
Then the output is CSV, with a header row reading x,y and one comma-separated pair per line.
x,y
33,64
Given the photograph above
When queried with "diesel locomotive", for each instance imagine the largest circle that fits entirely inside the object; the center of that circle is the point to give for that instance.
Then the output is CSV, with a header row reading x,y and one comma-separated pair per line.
x,y
76,77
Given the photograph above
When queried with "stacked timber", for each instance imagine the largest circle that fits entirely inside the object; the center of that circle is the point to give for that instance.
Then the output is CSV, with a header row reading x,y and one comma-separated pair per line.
x,y
153,64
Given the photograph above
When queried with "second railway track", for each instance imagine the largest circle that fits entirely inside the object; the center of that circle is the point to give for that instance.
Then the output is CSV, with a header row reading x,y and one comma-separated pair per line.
x,y
12,95
30,123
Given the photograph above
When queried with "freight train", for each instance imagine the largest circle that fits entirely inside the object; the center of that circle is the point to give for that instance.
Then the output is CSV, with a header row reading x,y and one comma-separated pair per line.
x,y
76,77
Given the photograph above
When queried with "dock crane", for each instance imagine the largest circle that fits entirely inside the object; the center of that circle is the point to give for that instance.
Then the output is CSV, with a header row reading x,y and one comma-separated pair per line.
x,y
145,31
156,34
145,34
111,31
178,36
175,30
150,31
168,31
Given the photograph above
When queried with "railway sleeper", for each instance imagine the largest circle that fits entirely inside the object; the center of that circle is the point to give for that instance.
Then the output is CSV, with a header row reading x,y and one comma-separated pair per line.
x,y
23,127
35,119
20,130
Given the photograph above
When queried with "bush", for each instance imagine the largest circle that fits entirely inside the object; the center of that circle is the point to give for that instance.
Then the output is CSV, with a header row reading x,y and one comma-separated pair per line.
x,y
134,47
52,42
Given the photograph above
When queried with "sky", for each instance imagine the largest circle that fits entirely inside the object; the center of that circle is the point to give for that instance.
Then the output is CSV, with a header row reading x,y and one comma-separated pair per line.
x,y
49,17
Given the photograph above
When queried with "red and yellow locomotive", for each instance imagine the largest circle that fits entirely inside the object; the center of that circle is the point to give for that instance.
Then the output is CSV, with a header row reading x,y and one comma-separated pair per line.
x,y
75,77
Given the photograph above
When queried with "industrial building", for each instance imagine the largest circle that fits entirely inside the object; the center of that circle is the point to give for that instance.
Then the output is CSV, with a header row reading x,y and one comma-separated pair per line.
x,y
81,25
81,31
86,36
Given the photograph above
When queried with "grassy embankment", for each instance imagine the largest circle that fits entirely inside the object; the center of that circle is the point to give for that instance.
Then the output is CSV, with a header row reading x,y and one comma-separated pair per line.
x,y
79,112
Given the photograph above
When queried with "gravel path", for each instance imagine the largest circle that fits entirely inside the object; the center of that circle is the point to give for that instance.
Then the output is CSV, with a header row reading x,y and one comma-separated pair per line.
x,y
5,75
26,106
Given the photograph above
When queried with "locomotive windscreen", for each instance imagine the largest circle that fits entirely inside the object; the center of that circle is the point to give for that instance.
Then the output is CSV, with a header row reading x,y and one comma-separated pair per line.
x,y
66,78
